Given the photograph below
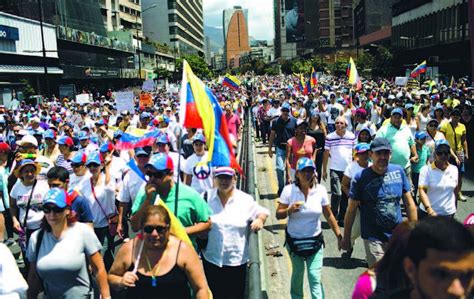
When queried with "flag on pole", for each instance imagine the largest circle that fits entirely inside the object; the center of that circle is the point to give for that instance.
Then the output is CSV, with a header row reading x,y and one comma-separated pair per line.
x,y
452,83
314,78
421,68
200,109
354,78
231,81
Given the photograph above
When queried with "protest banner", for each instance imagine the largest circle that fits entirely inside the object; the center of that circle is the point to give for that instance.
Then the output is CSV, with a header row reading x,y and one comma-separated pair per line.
x,y
83,98
401,81
146,100
124,101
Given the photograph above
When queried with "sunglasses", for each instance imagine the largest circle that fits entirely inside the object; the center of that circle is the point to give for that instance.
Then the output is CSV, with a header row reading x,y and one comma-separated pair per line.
x,y
93,165
159,229
432,125
76,165
55,185
55,209
157,174
442,153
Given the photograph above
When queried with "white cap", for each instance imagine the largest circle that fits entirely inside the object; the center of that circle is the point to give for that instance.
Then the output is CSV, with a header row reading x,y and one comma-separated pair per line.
x,y
28,139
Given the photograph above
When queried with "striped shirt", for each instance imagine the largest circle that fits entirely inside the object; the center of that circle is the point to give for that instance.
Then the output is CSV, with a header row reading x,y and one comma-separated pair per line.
x,y
64,163
340,149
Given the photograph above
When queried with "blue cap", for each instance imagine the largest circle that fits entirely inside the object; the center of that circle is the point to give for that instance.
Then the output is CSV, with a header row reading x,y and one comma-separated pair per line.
x,y
285,106
65,140
421,135
409,105
224,170
305,162
139,151
79,157
362,147
440,143
161,161
50,134
106,147
145,115
380,144
56,196
162,138
199,137
397,110
83,135
93,158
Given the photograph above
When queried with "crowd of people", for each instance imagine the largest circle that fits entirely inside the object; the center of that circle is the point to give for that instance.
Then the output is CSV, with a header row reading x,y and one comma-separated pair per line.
x,y
74,190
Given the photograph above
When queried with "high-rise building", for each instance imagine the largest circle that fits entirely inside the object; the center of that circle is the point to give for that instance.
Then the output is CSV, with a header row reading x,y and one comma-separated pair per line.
x,y
373,22
236,36
130,15
110,14
175,23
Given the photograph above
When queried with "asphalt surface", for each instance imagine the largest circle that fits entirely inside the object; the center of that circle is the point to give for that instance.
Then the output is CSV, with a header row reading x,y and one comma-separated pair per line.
x,y
339,274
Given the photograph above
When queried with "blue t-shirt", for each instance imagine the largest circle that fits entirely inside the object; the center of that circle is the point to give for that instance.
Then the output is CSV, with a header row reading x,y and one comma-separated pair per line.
x,y
81,207
379,197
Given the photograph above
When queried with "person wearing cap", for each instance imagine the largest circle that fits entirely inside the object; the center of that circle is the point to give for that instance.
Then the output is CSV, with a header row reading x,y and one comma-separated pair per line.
x,y
226,255
402,141
101,129
198,174
51,151
80,173
28,149
164,127
66,147
360,118
4,194
303,203
85,144
187,142
133,181
423,152
283,128
58,177
117,164
145,118
99,190
455,133
299,146
60,254
192,210
433,136
339,146
438,184
376,191
163,145
361,161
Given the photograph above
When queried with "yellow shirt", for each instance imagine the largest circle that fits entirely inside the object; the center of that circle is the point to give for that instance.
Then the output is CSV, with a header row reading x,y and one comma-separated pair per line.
x,y
448,131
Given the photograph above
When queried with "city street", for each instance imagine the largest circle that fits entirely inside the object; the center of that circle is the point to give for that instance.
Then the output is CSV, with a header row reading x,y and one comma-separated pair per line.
x,y
339,275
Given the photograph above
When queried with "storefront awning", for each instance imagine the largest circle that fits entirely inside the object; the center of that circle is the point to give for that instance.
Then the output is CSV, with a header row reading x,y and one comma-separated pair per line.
x,y
26,69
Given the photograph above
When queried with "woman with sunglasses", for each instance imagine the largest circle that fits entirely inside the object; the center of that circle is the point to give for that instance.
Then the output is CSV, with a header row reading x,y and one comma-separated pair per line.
x,y
156,264
438,184
100,192
433,135
303,203
60,254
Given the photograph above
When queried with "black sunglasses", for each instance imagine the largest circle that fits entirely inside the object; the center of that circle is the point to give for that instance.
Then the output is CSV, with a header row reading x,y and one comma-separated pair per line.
x,y
157,174
55,209
76,165
92,165
441,153
159,229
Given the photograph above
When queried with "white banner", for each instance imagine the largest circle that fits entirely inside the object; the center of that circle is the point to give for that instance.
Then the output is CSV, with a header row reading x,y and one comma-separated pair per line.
x,y
148,85
83,98
401,81
124,101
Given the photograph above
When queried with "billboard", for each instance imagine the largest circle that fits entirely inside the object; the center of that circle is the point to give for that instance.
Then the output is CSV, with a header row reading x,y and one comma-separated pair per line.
x,y
294,21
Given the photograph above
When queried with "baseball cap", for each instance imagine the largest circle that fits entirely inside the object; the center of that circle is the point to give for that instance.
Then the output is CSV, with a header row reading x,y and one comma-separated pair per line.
x,y
304,163
301,122
101,122
28,139
285,106
199,137
94,158
409,105
145,115
4,146
65,140
57,197
362,147
83,135
397,110
106,147
79,158
125,112
162,118
224,170
361,111
440,143
139,151
50,134
162,138
421,135
380,144
161,161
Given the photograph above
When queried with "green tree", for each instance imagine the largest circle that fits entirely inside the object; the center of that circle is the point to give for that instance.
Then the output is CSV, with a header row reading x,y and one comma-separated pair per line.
x,y
28,90
197,63
163,73
365,63
339,67
286,66
384,62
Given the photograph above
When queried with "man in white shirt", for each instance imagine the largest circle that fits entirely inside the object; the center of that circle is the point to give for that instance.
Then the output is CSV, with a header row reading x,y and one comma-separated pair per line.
x,y
198,174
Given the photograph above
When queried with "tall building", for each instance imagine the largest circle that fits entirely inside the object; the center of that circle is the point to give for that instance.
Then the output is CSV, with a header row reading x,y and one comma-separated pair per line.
x,y
110,14
373,22
236,35
130,15
175,23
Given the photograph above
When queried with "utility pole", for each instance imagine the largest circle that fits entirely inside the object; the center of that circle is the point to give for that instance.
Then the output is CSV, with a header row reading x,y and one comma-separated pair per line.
x,y
138,49
45,63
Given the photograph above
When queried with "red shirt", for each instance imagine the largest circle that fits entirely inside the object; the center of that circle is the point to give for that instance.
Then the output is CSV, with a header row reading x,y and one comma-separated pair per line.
x,y
233,124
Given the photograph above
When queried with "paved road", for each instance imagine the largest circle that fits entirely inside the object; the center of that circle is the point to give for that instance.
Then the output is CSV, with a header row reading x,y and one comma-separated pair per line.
x,y
339,275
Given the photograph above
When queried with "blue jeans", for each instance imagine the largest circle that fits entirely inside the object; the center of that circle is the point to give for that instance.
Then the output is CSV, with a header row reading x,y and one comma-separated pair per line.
x,y
280,168
314,266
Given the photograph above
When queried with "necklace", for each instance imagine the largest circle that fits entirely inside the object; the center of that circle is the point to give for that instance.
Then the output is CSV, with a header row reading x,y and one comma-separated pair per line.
x,y
154,273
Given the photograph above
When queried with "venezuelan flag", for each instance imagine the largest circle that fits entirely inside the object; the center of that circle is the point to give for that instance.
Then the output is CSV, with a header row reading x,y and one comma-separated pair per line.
x,y
354,78
314,78
128,141
420,69
231,81
200,109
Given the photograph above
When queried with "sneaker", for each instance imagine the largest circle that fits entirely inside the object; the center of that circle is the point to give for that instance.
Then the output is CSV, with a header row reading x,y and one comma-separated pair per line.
x,y
461,197
9,242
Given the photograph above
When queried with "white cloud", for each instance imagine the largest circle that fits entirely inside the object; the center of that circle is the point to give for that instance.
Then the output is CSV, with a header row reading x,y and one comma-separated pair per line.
x,y
260,15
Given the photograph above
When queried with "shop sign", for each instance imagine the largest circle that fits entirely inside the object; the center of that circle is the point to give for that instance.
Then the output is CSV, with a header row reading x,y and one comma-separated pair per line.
x,y
10,33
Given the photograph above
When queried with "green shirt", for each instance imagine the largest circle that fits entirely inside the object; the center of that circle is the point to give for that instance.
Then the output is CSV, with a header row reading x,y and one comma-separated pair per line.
x,y
423,155
401,141
192,208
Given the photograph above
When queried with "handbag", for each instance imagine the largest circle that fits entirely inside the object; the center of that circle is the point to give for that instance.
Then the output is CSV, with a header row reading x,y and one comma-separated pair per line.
x,y
304,247
22,233
112,219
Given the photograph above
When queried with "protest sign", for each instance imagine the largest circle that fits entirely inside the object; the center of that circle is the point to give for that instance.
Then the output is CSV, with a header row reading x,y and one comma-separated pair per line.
x,y
146,100
148,85
124,101
401,81
83,98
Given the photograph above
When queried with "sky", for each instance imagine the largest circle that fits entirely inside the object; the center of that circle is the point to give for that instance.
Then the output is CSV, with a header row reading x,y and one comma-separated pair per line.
x,y
260,15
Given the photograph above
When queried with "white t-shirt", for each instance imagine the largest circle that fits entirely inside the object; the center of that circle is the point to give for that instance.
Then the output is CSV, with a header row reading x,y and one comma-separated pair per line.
x,y
202,176
77,182
131,185
175,157
307,222
21,193
353,168
440,188
335,110
340,149
105,195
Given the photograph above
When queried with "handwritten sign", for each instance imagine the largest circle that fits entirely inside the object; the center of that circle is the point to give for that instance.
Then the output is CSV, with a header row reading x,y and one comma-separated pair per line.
x,y
83,98
146,100
124,101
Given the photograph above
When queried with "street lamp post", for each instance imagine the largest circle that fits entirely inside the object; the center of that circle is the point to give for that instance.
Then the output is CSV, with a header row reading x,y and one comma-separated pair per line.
x,y
138,40
40,8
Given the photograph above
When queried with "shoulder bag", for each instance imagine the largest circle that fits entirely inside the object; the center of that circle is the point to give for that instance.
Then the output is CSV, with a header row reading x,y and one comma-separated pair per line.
x,y
112,219
459,154
304,247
